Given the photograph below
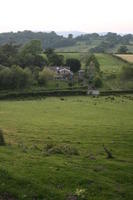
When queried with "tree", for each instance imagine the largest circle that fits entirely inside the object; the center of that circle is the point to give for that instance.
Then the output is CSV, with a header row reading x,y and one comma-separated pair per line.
x,y
123,49
21,78
5,78
70,36
34,47
39,61
53,58
45,75
49,51
93,73
15,77
93,59
74,64
8,54
127,73
30,55
98,81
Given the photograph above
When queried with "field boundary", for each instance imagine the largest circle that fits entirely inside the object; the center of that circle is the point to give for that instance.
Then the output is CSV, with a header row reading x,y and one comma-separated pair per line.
x,y
54,93
121,59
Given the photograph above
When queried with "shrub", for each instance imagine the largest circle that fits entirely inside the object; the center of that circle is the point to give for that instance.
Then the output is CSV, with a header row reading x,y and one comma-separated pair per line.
x,y
45,75
127,73
61,149
2,141
5,78
98,82
74,64
15,77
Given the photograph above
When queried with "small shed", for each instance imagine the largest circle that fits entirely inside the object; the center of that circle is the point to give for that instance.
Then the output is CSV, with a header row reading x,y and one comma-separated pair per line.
x,y
93,92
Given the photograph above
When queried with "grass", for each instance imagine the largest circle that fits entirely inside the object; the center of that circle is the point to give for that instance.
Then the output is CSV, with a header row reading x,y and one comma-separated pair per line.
x,y
110,64
82,46
54,148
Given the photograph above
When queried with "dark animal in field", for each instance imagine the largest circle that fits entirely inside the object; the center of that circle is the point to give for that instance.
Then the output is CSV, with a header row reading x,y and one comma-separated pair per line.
x,y
109,154
62,99
2,141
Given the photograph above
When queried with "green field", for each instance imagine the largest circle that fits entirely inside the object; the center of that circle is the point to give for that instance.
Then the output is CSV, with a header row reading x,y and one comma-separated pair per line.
x,y
80,46
55,149
85,46
108,63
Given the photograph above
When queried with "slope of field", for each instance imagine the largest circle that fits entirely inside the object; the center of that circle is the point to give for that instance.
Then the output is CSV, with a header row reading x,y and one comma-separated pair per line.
x,y
108,63
55,149
82,46
86,46
127,57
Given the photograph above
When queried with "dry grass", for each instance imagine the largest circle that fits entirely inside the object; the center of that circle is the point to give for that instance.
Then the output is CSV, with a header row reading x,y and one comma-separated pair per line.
x,y
127,57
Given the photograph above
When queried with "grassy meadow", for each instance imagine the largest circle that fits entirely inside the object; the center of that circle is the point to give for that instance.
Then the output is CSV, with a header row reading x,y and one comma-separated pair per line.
x,y
54,149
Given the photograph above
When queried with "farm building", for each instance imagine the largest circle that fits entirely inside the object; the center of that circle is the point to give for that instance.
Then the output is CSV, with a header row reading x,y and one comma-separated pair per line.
x,y
62,73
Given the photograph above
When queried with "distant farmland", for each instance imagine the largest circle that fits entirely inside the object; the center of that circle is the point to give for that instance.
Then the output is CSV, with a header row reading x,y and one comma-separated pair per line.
x,y
108,63
127,57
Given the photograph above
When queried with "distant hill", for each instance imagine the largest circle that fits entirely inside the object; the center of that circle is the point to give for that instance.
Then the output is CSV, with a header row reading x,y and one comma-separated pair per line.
x,y
94,42
74,33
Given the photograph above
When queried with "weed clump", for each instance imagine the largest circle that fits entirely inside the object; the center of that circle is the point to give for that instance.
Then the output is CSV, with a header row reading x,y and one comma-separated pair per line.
x,y
2,141
61,149
108,153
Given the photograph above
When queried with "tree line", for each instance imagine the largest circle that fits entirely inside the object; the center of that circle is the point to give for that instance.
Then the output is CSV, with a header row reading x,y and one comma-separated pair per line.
x,y
21,67
53,40
29,65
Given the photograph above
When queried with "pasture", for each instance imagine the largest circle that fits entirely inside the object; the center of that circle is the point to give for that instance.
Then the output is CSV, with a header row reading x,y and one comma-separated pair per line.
x,y
54,149
108,63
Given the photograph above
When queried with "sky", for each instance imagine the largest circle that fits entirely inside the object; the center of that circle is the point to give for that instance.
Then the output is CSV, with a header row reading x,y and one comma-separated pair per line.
x,y
67,15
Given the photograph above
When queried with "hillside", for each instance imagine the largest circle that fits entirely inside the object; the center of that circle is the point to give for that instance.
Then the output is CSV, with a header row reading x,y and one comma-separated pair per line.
x,y
82,43
108,63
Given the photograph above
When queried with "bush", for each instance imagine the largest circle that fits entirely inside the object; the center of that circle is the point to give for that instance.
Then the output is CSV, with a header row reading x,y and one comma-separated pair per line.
x,y
92,59
98,82
74,64
45,75
15,77
127,73
5,78
61,149
2,141
122,49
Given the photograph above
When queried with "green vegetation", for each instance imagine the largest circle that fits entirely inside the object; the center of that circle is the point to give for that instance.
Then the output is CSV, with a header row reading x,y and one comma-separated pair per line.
x,y
54,149
94,42
30,67
122,49
2,141
110,64
74,64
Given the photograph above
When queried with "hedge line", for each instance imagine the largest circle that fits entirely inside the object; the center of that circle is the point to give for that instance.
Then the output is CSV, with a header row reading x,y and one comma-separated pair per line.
x,y
41,94
21,95
115,92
